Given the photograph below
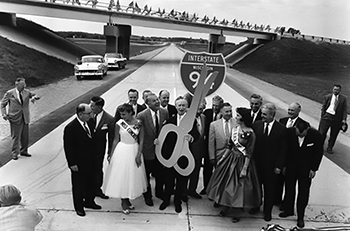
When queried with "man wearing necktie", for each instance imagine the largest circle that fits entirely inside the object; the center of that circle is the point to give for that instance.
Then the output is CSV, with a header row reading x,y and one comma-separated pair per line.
x,y
211,114
80,153
269,154
152,120
197,151
333,115
17,102
289,121
103,127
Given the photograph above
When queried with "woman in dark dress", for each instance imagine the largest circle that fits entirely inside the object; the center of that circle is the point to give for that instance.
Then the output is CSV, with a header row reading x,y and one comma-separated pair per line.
x,y
234,183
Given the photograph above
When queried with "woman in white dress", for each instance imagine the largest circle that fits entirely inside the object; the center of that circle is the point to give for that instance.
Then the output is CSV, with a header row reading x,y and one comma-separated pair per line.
x,y
125,176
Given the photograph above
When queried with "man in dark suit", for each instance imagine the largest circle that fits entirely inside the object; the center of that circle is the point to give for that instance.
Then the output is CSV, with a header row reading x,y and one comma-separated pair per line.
x,y
255,106
289,121
17,100
211,114
333,114
79,151
269,154
304,156
103,125
173,178
152,119
133,96
164,97
197,151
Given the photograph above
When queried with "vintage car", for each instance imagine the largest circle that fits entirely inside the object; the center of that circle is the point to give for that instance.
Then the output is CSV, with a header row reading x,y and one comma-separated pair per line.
x,y
90,66
115,60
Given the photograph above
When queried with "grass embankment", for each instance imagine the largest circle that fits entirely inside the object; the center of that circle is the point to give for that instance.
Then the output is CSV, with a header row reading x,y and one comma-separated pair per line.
x,y
306,68
17,60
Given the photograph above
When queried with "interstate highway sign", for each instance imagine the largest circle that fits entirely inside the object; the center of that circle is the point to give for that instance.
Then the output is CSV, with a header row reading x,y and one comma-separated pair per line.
x,y
191,66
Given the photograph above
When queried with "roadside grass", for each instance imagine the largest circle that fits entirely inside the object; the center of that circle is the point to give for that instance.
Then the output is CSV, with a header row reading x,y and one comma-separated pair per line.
x,y
306,68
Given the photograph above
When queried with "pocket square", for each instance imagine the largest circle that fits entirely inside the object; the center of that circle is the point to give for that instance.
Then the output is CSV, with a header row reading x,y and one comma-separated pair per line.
x,y
309,145
104,127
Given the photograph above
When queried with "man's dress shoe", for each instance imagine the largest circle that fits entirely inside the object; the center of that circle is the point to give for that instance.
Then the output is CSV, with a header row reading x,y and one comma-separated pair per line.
x,y
216,205
102,195
267,217
163,205
92,206
178,208
80,213
300,223
25,154
149,201
203,192
15,157
184,198
285,214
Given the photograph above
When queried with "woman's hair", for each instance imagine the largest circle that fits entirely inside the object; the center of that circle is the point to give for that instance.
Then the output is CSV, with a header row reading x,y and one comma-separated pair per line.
x,y
9,195
246,117
125,107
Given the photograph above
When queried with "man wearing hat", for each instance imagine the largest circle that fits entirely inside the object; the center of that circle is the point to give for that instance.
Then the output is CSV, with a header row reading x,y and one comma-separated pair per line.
x,y
79,150
15,216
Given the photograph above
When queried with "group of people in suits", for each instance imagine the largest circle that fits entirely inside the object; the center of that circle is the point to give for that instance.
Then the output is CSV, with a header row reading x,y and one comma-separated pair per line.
x,y
262,152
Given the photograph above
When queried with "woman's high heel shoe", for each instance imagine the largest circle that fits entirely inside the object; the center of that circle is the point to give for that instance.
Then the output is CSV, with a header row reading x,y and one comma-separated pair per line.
x,y
126,211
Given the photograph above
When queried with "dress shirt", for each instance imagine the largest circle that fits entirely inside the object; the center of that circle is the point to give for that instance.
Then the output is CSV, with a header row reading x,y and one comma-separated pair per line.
x,y
179,118
135,109
199,124
153,113
19,96
331,108
301,140
291,122
83,125
269,126
98,118
254,114
229,126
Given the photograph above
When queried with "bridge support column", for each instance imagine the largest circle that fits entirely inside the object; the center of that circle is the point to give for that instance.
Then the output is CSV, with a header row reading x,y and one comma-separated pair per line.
x,y
118,39
8,19
216,43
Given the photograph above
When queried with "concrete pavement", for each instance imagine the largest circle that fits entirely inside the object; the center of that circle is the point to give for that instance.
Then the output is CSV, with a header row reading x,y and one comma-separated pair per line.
x,y
44,179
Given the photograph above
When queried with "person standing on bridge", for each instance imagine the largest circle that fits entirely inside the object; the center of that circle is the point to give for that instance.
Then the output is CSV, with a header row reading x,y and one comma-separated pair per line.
x,y
333,115
17,101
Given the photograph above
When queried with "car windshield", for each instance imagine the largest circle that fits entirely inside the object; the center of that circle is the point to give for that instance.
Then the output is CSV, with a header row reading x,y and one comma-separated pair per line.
x,y
92,60
114,55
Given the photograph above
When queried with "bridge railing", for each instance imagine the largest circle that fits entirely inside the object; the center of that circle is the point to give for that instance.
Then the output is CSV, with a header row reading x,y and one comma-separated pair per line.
x,y
315,38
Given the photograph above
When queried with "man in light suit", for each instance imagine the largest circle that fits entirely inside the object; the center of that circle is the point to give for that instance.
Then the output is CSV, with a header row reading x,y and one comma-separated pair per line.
x,y
145,93
304,156
220,134
333,115
17,100
211,114
80,155
164,97
133,96
152,121
103,125
290,121
269,154
255,106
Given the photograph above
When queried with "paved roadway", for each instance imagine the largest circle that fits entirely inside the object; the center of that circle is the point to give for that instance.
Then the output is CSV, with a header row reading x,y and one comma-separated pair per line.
x,y
45,179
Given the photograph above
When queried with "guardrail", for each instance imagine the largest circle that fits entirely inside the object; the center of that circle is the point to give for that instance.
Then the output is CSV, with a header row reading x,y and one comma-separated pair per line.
x,y
315,38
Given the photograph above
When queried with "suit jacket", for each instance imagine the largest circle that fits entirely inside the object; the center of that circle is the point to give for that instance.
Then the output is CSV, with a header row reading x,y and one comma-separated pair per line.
x,y
198,146
150,134
258,116
170,141
15,109
308,156
171,110
217,141
341,110
139,108
208,119
78,147
284,121
270,152
104,127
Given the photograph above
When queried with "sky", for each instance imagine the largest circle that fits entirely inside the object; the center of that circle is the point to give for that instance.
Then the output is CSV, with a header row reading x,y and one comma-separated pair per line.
x,y
324,18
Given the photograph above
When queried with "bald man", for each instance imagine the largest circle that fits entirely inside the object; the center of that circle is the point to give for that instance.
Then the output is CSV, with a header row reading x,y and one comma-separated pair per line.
x,y
79,150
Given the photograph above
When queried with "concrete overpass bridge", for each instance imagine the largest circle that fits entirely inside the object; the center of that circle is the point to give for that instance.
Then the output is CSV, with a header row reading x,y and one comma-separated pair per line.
x,y
120,19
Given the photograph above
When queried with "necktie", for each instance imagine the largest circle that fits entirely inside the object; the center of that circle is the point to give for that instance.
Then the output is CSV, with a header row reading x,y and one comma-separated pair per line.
x,y
95,120
336,101
227,130
214,116
87,130
290,123
20,97
157,123
266,131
